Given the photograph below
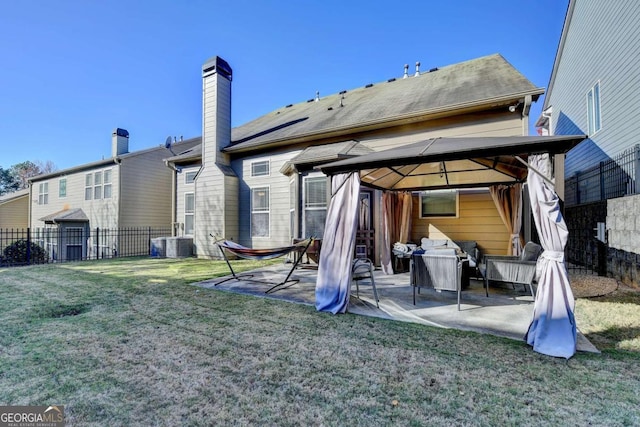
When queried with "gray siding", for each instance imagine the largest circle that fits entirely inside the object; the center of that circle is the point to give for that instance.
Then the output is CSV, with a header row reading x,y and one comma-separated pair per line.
x,y
278,200
602,43
183,188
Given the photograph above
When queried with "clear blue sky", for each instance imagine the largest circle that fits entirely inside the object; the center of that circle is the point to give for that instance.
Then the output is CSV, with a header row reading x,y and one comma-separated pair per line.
x,y
73,70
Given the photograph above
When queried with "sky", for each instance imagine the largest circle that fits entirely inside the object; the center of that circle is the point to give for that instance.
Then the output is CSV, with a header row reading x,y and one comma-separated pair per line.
x,y
74,70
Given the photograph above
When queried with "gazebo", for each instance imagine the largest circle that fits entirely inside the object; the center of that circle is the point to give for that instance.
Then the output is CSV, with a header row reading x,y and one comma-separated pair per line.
x,y
472,162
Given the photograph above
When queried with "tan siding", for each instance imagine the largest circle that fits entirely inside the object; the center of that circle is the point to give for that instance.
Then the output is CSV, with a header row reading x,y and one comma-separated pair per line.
x,y
481,125
478,220
102,213
14,213
146,190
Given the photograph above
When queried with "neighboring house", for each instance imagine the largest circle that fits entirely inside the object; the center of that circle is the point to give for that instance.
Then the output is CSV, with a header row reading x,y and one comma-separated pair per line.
x,y
14,210
593,90
256,184
125,191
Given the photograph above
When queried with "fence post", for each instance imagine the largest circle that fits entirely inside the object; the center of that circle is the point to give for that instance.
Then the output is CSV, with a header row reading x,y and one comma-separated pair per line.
x,y
28,246
149,243
636,166
601,175
97,242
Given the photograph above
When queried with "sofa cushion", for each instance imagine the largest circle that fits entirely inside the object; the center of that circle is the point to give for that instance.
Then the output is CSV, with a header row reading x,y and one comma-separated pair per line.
x,y
427,244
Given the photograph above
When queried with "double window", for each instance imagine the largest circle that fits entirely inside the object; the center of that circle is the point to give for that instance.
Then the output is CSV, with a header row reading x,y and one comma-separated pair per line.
x,y
260,212
593,109
189,209
43,193
315,206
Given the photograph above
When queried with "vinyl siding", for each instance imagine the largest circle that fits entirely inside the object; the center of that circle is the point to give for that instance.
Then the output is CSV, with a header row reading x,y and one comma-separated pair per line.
x,y
495,124
478,220
181,189
14,214
146,185
602,44
278,200
102,213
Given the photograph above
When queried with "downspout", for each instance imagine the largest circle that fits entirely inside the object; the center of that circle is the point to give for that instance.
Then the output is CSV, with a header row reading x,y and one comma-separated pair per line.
x,y
174,178
525,114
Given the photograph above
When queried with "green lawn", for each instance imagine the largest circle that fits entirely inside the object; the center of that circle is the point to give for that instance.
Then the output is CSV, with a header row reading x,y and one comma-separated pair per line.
x,y
130,342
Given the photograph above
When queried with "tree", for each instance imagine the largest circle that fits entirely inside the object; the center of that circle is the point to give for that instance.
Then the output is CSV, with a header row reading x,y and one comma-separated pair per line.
x,y
8,184
21,172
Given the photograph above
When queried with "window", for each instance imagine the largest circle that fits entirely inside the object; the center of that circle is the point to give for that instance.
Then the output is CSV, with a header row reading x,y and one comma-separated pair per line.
x,y
593,109
62,187
97,185
190,177
292,208
43,193
439,203
189,209
315,206
260,168
260,212
106,193
88,186
97,189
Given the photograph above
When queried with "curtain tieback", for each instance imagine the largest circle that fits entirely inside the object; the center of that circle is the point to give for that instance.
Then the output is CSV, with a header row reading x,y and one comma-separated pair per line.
x,y
553,255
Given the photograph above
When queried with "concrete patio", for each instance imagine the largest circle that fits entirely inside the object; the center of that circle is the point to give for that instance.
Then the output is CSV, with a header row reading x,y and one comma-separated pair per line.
x,y
507,312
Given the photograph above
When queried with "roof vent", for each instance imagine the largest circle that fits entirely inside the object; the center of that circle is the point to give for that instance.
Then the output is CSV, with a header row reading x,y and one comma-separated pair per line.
x,y
317,95
433,69
393,79
369,85
406,71
287,106
342,92
310,100
330,108
417,69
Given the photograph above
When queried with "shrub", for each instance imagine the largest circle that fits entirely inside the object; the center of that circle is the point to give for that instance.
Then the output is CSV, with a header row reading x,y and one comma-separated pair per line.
x,y
16,253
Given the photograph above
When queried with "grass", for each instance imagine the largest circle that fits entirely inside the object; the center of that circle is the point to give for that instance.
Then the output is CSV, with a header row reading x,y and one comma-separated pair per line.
x,y
130,342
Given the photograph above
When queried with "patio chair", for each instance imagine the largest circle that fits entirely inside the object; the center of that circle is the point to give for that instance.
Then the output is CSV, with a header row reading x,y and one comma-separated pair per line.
x,y
438,269
513,269
362,269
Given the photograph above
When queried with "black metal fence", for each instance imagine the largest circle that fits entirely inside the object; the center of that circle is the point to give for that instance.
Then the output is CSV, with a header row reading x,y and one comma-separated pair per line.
x,y
44,245
615,177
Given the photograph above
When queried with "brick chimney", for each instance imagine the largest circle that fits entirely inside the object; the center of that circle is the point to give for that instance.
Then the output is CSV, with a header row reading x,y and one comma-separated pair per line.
x,y
119,142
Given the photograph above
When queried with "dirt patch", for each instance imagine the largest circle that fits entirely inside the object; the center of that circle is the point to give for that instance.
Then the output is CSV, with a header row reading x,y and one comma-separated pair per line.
x,y
589,286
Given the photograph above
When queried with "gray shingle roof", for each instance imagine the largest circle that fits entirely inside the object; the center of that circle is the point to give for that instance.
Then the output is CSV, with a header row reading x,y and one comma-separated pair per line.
x,y
75,214
483,80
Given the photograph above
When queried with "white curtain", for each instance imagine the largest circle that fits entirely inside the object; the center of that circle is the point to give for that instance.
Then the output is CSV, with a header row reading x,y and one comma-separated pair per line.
x,y
333,284
553,328
508,201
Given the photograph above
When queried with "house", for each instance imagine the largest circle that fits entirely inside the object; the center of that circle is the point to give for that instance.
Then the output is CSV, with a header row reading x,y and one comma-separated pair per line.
x,y
593,90
14,210
258,184
127,190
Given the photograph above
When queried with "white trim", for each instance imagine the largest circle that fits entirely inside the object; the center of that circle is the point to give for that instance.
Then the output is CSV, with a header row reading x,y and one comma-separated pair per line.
x,y
251,211
268,162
